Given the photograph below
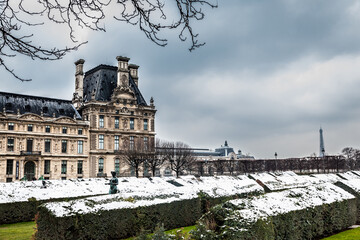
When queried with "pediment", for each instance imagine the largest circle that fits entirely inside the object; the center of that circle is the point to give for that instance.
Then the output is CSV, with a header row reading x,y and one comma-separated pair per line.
x,y
64,120
123,93
30,116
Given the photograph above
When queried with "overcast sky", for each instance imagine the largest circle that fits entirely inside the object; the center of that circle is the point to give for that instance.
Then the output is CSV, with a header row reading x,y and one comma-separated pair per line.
x,y
271,73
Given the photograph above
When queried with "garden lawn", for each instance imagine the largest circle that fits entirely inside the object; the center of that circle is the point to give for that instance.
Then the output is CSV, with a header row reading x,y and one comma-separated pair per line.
x,y
352,234
17,231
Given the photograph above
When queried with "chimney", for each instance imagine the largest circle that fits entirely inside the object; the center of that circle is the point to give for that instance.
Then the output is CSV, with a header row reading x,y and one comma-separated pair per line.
x,y
134,73
79,76
79,82
122,71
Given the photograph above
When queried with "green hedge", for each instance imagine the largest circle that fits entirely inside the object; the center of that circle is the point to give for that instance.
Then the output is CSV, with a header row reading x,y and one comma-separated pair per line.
x,y
25,211
353,192
309,223
117,223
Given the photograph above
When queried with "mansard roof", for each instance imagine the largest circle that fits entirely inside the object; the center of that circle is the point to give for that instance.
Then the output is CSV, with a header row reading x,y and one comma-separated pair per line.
x,y
12,103
102,81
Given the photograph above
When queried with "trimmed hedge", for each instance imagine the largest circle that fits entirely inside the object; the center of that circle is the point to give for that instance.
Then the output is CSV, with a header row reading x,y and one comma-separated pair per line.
x,y
117,223
25,211
308,223
353,192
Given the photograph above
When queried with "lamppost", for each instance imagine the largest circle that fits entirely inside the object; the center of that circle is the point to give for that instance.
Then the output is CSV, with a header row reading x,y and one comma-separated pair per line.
x,y
275,160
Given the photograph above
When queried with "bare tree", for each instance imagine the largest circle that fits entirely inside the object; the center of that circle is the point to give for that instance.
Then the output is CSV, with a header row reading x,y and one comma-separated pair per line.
x,y
149,15
158,158
179,155
136,153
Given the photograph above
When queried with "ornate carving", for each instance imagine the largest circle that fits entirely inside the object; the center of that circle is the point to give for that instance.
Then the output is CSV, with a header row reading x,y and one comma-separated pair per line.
x,y
125,123
31,116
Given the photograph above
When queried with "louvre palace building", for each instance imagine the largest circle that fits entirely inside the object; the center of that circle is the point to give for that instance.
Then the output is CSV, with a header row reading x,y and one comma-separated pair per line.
x,y
83,138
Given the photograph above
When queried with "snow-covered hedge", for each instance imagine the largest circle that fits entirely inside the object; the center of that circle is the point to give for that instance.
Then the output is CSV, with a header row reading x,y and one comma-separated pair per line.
x,y
283,180
140,204
300,213
352,186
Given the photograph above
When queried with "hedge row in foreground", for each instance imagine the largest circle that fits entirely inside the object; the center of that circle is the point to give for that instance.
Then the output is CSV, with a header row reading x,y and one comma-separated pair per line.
x,y
126,222
24,211
297,216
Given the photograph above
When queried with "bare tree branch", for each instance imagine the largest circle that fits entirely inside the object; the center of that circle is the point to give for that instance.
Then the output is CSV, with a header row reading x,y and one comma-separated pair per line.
x,y
148,15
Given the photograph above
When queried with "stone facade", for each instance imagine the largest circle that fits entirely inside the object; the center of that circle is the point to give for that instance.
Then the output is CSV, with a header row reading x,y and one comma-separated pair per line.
x,y
59,139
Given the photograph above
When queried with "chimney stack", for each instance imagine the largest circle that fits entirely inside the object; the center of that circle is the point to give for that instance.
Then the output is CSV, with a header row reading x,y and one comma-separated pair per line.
x,y
79,82
122,71
134,73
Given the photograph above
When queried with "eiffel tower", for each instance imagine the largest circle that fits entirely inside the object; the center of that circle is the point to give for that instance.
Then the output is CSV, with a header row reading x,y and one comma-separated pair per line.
x,y
322,147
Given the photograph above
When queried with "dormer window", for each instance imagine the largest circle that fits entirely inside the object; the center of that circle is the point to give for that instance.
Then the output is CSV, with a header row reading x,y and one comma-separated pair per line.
x,y
62,111
45,109
8,106
27,108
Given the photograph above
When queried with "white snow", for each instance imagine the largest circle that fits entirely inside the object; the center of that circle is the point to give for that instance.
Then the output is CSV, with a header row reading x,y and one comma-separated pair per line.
x,y
286,180
349,175
135,192
276,203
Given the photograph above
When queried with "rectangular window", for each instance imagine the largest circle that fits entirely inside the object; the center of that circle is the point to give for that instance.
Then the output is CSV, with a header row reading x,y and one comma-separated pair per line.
x,y
101,165
64,130
10,144
64,146
9,167
47,145
30,127
10,126
101,121
132,123
116,143
117,166
80,146
80,131
29,145
47,129
131,146
63,166
117,122
146,143
80,167
145,124
47,167
101,141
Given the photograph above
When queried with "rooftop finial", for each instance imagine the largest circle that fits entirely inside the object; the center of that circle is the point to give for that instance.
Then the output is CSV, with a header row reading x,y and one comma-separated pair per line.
x,y
226,144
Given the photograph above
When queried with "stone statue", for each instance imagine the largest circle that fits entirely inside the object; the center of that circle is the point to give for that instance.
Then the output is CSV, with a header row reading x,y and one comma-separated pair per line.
x,y
113,183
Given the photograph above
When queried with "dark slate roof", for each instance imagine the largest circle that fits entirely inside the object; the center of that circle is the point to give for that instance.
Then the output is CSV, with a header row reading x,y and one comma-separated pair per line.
x,y
102,81
32,104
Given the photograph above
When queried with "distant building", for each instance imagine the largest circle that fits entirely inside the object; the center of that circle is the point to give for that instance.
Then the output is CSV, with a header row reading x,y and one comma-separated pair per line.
x,y
60,139
224,152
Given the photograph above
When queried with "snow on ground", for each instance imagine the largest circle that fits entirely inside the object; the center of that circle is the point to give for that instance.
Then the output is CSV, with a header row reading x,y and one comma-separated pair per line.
x,y
285,201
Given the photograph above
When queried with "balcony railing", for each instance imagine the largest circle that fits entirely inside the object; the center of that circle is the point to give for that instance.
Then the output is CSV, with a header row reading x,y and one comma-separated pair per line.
x,y
30,153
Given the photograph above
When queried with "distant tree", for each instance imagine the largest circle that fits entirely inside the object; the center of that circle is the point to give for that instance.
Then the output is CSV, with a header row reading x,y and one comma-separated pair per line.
x,y
179,155
219,166
151,16
158,158
136,154
230,166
